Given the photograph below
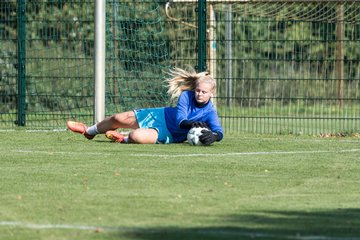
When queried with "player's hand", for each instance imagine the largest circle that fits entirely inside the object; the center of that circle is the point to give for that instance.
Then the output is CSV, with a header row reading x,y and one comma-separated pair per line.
x,y
207,137
199,124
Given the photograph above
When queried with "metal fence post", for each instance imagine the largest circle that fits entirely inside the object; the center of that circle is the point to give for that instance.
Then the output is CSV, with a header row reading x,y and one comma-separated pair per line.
x,y
201,36
21,56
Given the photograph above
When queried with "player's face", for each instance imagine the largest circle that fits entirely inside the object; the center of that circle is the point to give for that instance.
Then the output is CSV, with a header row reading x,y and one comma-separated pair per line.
x,y
203,92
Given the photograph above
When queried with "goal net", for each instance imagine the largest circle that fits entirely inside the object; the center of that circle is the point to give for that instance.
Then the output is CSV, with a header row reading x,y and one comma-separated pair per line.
x,y
136,55
283,66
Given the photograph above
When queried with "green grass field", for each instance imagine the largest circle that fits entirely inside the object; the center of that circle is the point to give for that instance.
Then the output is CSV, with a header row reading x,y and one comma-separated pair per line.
x,y
58,185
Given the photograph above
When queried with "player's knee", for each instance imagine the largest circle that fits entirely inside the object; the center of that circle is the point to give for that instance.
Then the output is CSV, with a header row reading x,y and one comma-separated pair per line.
x,y
135,137
138,136
117,118
142,136
125,119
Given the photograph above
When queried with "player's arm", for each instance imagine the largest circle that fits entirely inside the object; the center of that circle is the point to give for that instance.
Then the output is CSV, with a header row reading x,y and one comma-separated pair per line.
x,y
187,124
182,113
216,133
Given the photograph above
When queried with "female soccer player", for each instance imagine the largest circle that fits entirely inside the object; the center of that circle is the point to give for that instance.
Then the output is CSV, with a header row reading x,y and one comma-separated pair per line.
x,y
192,91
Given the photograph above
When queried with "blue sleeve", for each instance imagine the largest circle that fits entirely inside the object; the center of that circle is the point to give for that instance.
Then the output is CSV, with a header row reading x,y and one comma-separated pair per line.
x,y
214,124
183,103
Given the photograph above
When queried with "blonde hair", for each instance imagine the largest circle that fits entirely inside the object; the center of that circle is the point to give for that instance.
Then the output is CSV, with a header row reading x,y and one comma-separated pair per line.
x,y
180,80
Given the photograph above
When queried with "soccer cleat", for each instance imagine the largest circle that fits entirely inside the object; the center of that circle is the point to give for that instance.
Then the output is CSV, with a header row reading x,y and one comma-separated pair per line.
x,y
115,136
79,127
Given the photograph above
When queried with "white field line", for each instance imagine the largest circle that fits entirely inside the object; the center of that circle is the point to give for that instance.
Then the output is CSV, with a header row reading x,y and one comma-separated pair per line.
x,y
35,130
243,153
205,231
47,226
187,155
59,153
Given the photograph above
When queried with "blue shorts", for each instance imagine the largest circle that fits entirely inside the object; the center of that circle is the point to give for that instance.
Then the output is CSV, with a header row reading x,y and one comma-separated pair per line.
x,y
154,118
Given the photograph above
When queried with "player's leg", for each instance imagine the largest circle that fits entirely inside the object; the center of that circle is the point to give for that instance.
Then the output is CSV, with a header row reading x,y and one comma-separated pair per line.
x,y
140,135
110,124
79,127
143,136
119,120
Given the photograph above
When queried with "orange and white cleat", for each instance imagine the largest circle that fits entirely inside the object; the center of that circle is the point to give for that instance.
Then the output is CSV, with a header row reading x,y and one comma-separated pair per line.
x,y
115,136
79,127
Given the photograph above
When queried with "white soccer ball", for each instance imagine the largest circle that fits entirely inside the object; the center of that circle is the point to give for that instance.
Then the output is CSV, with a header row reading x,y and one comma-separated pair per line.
x,y
193,136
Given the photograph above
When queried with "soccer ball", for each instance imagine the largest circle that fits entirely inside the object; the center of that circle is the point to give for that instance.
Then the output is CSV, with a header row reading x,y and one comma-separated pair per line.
x,y
194,134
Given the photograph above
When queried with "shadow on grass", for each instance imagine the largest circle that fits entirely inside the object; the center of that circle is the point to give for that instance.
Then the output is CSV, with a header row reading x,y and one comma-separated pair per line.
x,y
341,224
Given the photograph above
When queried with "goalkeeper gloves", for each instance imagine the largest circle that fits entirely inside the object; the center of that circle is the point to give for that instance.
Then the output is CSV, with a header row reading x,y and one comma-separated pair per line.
x,y
208,137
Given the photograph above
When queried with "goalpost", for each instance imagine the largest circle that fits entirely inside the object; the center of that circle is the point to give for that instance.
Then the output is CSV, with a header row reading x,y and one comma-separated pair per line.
x,y
99,62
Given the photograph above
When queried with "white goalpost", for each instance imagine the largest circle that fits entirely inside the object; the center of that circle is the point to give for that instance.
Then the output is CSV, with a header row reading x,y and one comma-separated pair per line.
x,y
99,61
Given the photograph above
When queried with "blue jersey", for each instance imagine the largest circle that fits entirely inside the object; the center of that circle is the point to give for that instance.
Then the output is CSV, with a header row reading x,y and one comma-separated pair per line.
x,y
186,109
